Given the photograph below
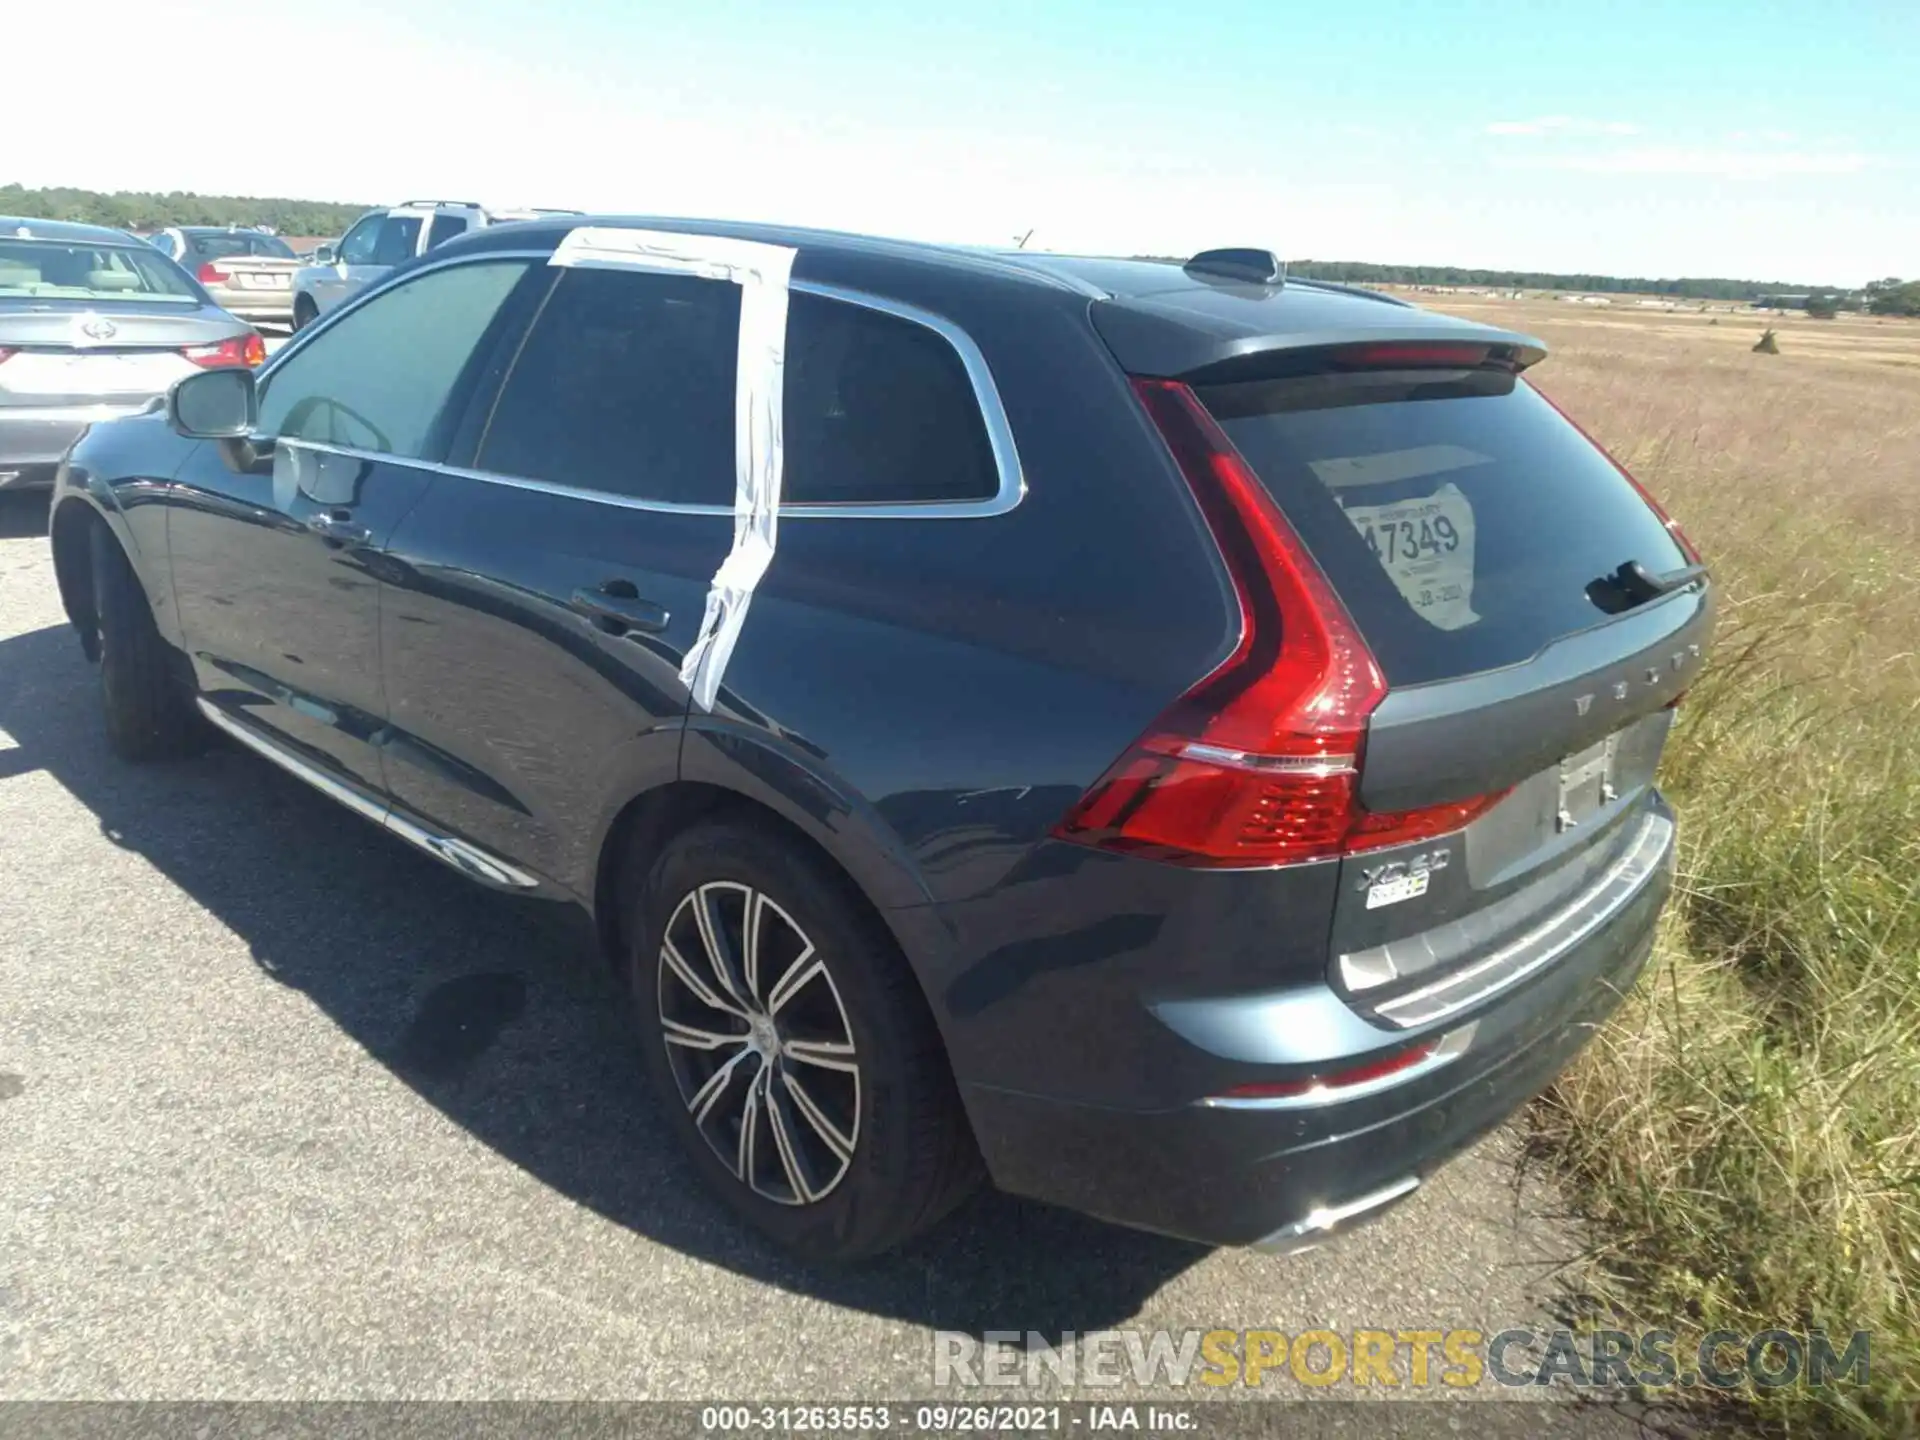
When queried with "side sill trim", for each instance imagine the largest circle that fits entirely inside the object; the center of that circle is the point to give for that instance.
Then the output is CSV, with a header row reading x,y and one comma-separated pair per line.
x,y
469,860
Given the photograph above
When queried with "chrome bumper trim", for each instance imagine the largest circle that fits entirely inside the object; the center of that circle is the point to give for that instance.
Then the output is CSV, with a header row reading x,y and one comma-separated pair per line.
x,y
1546,942
1306,1233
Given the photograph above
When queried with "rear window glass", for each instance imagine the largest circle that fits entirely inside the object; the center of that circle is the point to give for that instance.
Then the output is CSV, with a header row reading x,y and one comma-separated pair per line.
x,y
242,242
1459,516
879,410
50,270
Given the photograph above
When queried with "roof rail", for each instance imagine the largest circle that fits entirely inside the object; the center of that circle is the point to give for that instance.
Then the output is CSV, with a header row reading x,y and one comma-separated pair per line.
x,y
462,204
1260,267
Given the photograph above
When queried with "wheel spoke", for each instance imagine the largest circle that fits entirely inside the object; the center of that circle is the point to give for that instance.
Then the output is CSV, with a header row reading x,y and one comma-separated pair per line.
x,y
704,992
841,1145
719,953
692,1037
749,1127
799,975
792,1159
750,940
708,1095
828,1054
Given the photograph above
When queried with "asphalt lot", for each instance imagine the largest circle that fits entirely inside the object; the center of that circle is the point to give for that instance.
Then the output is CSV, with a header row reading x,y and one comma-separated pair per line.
x,y
288,1111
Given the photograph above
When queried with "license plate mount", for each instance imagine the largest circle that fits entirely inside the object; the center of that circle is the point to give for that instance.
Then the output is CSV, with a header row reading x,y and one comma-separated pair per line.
x,y
1586,784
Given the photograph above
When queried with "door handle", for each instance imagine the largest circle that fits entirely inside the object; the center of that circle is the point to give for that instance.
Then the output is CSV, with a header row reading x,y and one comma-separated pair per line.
x,y
615,608
338,527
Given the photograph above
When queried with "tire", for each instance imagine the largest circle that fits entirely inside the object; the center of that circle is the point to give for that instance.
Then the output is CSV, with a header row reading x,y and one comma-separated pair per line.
x,y
143,691
304,312
840,1163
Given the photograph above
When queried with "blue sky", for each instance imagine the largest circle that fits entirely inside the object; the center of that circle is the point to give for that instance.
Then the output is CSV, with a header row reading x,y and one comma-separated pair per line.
x,y
1729,137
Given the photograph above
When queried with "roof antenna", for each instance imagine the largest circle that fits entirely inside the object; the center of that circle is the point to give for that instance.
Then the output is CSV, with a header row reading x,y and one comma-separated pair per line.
x,y
1021,243
1256,267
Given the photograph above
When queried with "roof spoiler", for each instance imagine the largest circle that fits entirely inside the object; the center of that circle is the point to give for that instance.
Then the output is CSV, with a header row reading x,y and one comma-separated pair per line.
x,y
1162,342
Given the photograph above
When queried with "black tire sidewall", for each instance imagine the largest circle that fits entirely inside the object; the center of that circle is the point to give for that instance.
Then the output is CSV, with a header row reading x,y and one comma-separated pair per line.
x,y
145,705
863,1213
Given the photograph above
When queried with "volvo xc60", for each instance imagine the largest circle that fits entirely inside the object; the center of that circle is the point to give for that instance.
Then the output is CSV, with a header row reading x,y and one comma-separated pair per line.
x,y
1174,740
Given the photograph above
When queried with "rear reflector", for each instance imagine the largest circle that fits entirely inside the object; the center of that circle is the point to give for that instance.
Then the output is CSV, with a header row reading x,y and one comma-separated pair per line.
x,y
1258,764
1356,1080
248,350
1339,1079
1673,526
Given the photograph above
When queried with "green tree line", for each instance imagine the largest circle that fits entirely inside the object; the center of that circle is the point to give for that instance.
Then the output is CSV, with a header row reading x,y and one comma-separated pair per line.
x,y
153,210
1893,296
1359,272
1692,288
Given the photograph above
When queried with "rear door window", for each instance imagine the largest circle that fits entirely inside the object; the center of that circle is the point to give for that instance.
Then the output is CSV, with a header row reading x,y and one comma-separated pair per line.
x,y
878,409
1459,516
626,385
444,227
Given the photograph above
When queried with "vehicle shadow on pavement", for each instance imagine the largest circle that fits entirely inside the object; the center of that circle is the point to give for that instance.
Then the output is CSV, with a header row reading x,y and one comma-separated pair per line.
x,y
22,514
499,1012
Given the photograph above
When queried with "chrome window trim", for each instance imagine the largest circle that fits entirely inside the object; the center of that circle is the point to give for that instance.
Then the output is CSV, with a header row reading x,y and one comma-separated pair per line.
x,y
1012,484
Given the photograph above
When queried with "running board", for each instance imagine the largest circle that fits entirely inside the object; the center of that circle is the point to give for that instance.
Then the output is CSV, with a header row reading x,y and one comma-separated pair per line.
x,y
469,860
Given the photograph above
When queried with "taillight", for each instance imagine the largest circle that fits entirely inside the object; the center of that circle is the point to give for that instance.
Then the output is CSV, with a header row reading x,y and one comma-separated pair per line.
x,y
248,350
212,274
1258,764
6,354
1673,527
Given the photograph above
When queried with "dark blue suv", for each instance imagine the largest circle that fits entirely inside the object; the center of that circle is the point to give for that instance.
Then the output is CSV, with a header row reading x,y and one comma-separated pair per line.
x,y
1174,740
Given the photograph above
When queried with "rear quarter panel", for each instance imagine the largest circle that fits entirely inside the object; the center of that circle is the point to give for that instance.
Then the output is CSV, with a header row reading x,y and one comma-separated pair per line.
x,y
929,696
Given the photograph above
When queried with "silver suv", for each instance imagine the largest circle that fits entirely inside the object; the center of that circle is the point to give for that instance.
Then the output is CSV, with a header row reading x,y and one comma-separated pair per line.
x,y
382,239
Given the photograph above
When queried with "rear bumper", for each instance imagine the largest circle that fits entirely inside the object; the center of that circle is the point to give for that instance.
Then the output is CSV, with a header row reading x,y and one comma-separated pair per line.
x,y
1283,1177
33,439
256,304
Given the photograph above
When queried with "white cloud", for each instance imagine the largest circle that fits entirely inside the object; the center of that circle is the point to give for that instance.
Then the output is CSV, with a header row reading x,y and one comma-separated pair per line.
x,y
1562,125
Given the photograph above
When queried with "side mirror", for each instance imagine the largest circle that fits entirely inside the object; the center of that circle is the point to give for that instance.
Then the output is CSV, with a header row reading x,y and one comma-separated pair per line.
x,y
214,405
323,254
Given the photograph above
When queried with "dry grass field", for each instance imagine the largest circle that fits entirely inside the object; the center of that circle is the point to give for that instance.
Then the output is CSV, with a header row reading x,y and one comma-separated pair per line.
x,y
1746,1136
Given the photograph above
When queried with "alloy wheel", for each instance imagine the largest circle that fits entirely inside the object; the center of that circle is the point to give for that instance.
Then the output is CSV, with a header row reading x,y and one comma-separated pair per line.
x,y
758,1042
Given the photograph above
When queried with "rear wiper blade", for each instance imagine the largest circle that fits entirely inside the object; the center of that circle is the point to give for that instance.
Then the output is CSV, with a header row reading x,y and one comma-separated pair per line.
x,y
1633,584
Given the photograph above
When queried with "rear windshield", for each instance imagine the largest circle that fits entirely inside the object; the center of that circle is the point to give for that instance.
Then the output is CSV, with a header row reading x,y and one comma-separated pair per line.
x,y
59,270
1458,515
239,242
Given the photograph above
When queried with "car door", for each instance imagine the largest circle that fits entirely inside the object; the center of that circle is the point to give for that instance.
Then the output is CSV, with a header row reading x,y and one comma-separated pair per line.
x,y
276,545
546,594
354,252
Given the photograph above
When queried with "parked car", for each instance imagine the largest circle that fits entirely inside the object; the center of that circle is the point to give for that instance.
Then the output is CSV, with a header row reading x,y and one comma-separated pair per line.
x,y
1186,749
249,273
382,239
94,324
